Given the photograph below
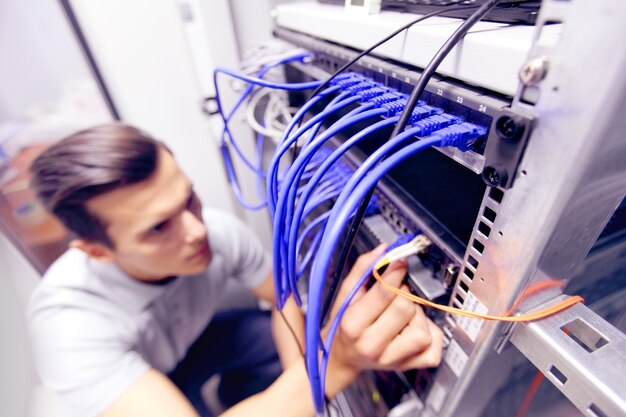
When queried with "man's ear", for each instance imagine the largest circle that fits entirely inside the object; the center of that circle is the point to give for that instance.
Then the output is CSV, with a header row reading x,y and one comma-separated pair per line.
x,y
94,250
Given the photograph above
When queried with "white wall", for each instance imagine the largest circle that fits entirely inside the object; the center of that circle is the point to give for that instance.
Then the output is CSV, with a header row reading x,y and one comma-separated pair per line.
x,y
17,280
16,270
39,55
141,50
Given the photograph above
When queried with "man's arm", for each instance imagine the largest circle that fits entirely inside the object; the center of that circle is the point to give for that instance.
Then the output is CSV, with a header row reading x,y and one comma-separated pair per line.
x,y
154,395
379,330
288,350
151,395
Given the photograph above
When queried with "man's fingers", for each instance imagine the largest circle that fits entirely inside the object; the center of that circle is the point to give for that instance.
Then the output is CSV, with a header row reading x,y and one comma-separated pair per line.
x,y
363,313
386,327
429,357
415,338
362,264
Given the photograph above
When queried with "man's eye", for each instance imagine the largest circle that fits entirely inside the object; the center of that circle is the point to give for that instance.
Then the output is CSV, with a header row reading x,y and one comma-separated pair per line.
x,y
158,228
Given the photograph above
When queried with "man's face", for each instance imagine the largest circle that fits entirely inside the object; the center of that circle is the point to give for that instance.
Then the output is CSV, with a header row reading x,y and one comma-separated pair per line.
x,y
155,225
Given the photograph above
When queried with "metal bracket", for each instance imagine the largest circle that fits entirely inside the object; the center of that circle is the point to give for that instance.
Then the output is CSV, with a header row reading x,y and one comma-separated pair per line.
x,y
582,355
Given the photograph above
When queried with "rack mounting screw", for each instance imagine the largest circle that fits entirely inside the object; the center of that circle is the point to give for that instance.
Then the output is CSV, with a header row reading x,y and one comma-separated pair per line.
x,y
495,175
534,70
509,128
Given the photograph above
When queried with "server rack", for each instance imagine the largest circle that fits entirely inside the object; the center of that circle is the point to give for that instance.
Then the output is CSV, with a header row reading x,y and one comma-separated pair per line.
x,y
558,180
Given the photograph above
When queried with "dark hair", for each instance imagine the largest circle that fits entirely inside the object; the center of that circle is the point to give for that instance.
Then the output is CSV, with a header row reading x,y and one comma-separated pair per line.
x,y
87,164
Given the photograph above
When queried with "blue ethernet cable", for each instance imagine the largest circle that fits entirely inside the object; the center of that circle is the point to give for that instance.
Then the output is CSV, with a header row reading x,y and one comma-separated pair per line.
x,y
461,136
284,205
318,126
304,109
288,287
272,172
308,256
421,127
266,68
369,91
347,81
298,215
230,171
234,183
386,100
295,121
334,326
318,221
226,118
353,112
264,83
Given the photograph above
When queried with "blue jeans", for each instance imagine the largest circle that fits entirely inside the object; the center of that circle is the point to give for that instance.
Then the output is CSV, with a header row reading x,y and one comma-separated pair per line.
x,y
237,345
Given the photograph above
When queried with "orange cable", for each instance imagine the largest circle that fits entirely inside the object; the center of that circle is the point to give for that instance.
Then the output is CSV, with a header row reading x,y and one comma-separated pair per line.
x,y
453,310
530,394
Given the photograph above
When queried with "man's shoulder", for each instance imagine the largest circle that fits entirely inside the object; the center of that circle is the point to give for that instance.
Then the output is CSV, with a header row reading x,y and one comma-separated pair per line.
x,y
70,284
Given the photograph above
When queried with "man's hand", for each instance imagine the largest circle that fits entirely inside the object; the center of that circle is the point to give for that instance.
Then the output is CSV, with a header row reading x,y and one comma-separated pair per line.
x,y
381,330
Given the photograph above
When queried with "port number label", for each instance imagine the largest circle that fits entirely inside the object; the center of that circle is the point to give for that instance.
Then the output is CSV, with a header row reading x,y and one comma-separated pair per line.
x,y
394,75
456,358
482,108
439,92
407,80
471,326
459,99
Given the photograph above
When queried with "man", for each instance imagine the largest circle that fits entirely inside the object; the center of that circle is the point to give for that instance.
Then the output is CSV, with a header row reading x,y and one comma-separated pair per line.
x,y
124,323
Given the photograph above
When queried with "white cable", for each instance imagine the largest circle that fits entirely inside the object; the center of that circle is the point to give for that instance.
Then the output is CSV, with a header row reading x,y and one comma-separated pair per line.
x,y
275,110
251,118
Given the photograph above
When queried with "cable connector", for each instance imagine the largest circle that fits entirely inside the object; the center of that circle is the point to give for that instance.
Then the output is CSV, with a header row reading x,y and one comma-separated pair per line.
x,y
394,107
422,111
348,80
361,86
374,92
436,122
418,245
461,136
389,97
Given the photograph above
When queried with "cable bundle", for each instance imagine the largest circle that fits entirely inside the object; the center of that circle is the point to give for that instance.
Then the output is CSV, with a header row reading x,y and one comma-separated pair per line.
x,y
315,198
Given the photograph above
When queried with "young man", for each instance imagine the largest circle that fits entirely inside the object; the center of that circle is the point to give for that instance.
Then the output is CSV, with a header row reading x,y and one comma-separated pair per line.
x,y
124,323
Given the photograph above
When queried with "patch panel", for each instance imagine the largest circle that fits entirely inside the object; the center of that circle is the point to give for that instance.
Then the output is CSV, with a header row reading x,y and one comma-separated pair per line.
x,y
432,274
496,156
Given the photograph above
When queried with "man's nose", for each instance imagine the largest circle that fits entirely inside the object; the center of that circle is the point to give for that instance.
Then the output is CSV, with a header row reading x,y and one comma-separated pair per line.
x,y
193,227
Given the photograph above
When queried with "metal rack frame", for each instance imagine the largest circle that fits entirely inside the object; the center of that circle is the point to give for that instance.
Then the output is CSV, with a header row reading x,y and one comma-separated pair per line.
x,y
531,239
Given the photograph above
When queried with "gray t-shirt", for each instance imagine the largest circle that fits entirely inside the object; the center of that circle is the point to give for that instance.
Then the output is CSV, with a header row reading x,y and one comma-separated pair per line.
x,y
95,329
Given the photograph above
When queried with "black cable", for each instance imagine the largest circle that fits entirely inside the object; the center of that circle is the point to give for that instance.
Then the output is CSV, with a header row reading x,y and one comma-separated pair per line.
x,y
431,68
382,41
441,54
293,333
327,402
370,49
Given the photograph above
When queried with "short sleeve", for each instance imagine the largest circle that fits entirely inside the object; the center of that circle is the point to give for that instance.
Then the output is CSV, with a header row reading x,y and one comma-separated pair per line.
x,y
243,251
86,358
